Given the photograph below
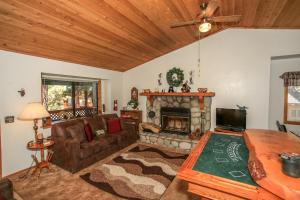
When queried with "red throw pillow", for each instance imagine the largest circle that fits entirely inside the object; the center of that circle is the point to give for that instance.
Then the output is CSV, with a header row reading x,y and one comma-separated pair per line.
x,y
88,132
113,125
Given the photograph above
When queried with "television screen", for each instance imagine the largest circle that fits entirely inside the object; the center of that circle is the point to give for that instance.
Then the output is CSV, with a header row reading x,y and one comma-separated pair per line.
x,y
231,118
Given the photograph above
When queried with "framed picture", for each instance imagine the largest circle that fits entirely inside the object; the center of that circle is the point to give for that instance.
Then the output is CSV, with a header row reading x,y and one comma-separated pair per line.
x,y
134,94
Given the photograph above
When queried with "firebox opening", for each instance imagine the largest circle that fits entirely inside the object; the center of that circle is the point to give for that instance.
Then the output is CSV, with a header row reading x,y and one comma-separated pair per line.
x,y
176,120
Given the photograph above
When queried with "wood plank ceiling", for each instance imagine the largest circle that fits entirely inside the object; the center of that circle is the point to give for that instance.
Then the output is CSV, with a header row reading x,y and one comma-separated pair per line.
x,y
122,34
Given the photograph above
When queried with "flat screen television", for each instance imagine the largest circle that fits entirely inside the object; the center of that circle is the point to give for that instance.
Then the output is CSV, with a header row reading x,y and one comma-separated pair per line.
x,y
231,119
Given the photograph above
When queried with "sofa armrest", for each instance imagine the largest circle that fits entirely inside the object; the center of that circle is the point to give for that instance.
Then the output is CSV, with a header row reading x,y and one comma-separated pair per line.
x,y
72,147
126,125
66,153
6,189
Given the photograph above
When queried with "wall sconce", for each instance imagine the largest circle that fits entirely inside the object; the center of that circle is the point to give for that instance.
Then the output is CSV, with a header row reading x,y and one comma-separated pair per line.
x,y
22,92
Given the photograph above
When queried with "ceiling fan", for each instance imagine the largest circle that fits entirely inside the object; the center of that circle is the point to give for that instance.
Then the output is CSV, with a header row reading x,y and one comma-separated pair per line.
x,y
205,18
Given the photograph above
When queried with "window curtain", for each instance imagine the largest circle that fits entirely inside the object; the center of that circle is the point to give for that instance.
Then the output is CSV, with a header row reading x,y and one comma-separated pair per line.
x,y
291,78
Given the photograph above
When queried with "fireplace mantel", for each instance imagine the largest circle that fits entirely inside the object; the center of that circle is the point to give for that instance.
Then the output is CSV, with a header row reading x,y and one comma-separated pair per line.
x,y
200,95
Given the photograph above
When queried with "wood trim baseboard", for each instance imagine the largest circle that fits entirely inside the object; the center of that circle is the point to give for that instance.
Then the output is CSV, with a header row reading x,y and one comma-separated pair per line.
x,y
19,171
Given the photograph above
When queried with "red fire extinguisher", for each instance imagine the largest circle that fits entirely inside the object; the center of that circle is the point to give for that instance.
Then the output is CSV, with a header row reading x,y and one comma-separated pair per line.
x,y
115,105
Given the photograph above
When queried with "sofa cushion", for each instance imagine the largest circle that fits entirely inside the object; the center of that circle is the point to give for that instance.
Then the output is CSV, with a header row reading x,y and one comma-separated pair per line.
x,y
59,129
118,137
86,152
77,132
88,132
96,145
96,124
113,125
112,138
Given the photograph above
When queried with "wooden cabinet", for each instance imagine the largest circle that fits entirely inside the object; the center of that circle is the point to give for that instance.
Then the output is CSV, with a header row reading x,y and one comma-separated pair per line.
x,y
134,117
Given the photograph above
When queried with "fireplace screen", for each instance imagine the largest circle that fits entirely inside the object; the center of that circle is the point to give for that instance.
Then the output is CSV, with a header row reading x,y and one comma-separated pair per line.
x,y
176,120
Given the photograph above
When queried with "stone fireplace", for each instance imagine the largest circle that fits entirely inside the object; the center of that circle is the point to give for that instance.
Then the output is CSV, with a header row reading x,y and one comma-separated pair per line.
x,y
175,120
179,113
189,105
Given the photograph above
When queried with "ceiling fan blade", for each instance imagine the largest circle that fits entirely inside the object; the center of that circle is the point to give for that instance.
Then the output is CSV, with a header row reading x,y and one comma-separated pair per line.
x,y
231,18
187,23
212,7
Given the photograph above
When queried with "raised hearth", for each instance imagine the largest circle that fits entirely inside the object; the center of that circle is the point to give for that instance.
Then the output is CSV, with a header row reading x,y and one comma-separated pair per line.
x,y
169,140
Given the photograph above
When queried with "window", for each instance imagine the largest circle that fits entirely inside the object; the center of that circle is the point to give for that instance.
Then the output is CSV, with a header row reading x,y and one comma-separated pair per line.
x,y
292,105
58,95
67,99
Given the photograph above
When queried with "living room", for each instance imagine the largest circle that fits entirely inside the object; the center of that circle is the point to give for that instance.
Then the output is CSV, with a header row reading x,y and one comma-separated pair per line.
x,y
239,62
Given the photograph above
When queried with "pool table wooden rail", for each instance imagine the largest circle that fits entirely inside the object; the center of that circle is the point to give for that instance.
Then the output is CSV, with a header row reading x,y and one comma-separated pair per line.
x,y
214,187
264,147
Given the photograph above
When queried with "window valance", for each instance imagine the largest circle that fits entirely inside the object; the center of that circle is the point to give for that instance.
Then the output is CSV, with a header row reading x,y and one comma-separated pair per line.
x,y
291,78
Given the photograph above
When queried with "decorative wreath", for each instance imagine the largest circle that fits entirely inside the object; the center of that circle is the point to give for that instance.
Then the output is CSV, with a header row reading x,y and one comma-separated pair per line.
x,y
175,77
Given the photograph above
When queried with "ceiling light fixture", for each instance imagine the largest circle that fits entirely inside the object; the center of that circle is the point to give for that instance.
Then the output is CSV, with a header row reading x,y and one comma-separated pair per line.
x,y
204,26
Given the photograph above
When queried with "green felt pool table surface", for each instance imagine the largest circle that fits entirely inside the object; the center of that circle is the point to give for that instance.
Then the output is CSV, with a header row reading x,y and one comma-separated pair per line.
x,y
225,156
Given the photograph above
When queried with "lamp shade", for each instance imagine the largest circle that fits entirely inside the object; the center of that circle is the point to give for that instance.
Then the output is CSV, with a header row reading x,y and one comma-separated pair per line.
x,y
34,110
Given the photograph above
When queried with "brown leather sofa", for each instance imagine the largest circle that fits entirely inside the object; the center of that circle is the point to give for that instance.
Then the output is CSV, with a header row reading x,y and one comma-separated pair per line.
x,y
73,152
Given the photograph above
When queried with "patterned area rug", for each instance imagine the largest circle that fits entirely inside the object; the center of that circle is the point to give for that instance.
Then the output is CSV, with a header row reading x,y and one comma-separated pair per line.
x,y
140,173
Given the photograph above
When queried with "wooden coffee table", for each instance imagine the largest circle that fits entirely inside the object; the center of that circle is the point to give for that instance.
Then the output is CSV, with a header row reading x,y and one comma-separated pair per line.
x,y
43,163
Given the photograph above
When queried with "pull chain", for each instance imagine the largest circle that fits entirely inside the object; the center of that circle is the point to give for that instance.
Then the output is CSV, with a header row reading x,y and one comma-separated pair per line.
x,y
199,55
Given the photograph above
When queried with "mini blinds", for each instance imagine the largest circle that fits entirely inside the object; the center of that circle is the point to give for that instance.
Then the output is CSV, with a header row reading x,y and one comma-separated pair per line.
x,y
291,78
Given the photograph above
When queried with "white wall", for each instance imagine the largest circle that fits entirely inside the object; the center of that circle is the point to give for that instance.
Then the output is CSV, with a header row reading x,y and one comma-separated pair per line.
x,y
278,67
234,63
21,71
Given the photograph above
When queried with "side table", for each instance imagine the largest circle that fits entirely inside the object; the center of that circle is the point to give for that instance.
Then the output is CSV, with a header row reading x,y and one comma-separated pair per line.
x,y
133,117
44,163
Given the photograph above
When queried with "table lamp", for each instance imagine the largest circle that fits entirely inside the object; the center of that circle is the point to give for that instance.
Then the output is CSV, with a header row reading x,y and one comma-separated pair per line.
x,y
34,111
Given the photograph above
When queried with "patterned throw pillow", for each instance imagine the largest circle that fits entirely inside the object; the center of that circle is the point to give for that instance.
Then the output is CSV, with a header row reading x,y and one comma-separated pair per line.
x,y
100,132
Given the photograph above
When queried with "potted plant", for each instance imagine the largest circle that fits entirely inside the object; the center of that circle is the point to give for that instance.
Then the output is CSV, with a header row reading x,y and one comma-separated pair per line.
x,y
133,103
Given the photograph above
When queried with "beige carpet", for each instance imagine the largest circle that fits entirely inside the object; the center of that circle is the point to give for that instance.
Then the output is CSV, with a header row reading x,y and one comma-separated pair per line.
x,y
63,185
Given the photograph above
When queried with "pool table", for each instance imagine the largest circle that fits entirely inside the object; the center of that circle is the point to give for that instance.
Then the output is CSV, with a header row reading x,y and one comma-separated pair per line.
x,y
217,168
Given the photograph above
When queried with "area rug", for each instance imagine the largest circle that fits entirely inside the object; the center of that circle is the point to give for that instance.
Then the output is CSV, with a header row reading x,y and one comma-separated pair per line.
x,y
140,173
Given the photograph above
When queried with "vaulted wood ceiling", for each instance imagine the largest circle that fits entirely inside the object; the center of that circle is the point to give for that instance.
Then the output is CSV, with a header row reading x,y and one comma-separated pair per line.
x,y
121,34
